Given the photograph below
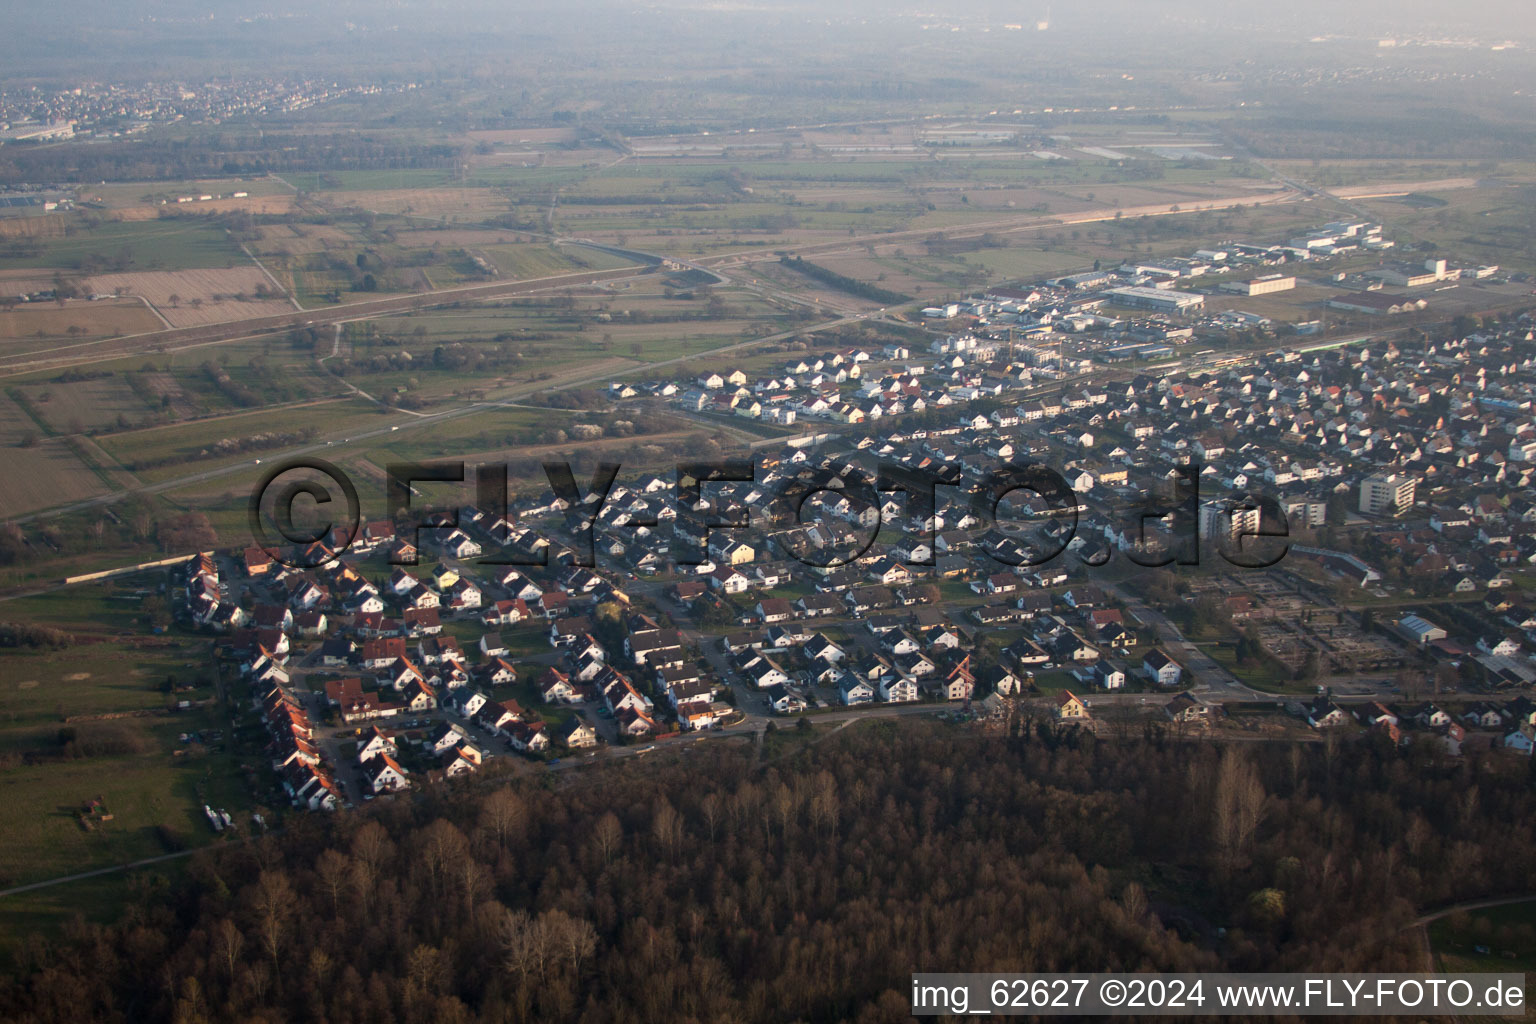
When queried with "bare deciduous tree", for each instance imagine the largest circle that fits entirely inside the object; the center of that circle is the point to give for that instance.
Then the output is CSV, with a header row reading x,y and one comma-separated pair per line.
x,y
1239,808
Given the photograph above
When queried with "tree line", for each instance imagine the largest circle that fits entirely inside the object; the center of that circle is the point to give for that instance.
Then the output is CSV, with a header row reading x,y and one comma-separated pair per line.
x,y
842,283
808,887
220,154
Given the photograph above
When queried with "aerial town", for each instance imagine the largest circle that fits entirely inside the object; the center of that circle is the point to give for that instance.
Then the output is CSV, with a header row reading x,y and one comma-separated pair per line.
x,y
1401,469
766,512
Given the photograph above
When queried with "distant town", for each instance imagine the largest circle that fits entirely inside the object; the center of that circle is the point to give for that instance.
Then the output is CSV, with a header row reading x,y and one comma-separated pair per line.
x,y
99,110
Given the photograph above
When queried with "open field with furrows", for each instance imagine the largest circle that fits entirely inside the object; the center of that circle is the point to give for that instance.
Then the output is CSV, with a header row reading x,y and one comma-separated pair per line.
x,y
45,474
253,205
76,406
450,203
192,298
25,282
527,171
856,195
950,197
78,318
278,240
529,261
1023,263
424,237
169,243
49,225
16,422
315,182
522,136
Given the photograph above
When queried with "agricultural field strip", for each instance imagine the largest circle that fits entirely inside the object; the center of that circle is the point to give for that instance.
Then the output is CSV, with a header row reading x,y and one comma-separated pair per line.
x,y
249,328
422,421
357,310
1001,225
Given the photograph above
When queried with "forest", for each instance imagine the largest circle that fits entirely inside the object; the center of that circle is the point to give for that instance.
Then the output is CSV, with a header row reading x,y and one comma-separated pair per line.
x,y
218,154
806,882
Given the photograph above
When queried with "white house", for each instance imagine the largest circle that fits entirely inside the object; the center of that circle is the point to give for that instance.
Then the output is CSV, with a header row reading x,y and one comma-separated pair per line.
x,y
1161,669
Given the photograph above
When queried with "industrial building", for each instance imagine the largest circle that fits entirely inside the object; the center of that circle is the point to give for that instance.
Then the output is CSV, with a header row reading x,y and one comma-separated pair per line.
x,y
1261,285
1158,299
32,131
1387,494
1419,630
1376,303
1406,275
1088,279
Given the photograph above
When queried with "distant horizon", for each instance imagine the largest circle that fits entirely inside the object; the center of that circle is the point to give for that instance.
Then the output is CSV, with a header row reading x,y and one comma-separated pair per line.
x,y
94,36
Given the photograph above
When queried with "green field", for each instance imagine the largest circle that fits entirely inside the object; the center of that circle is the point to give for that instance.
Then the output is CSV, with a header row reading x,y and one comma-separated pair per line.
x,y
167,244
362,181
488,430
94,721
174,450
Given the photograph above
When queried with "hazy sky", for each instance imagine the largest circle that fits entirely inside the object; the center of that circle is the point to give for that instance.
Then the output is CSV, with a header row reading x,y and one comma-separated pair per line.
x,y
64,36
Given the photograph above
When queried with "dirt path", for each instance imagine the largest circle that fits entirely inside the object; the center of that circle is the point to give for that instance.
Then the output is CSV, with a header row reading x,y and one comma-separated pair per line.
x,y
80,876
